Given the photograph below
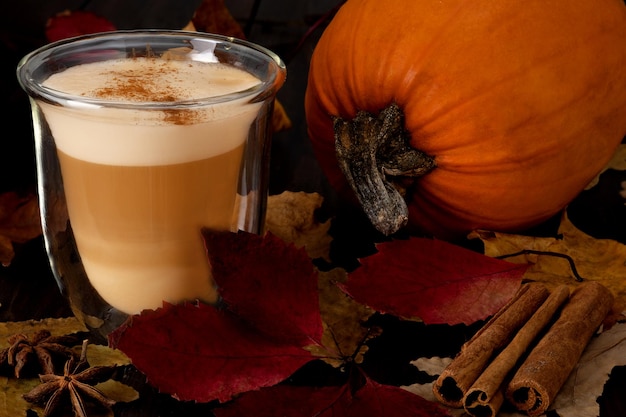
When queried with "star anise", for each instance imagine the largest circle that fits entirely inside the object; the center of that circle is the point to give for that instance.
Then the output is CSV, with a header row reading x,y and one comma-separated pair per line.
x,y
76,384
41,348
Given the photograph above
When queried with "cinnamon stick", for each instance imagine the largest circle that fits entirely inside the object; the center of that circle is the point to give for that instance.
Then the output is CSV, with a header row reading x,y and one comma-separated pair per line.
x,y
485,397
454,382
543,373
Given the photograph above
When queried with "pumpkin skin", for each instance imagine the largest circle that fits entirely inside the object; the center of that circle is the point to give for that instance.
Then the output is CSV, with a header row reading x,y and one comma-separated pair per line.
x,y
520,104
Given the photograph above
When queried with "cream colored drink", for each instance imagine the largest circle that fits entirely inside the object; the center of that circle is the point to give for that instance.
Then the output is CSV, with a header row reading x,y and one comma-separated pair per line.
x,y
140,184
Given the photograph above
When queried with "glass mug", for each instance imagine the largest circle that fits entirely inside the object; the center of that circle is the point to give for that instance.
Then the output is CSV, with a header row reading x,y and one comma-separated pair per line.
x,y
142,139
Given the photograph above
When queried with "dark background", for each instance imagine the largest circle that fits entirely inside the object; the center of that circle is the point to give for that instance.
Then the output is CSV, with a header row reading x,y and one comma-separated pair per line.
x,y
291,30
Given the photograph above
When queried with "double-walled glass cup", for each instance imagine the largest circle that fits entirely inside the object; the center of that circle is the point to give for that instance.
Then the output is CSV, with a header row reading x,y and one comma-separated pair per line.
x,y
144,138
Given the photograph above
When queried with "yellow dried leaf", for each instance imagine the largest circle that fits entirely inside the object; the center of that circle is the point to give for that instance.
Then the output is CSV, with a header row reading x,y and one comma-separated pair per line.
x,y
344,335
97,354
291,217
100,355
57,327
118,391
12,389
602,260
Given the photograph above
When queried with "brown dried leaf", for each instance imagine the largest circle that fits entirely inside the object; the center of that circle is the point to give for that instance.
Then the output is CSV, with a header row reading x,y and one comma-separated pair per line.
x,y
280,119
189,27
291,217
6,251
212,16
19,222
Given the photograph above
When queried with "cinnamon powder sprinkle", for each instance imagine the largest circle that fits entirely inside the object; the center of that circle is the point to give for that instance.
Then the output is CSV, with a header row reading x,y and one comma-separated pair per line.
x,y
146,85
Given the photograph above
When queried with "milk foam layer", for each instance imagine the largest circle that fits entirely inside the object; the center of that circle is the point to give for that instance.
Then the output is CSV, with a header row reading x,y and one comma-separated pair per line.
x,y
140,137
143,80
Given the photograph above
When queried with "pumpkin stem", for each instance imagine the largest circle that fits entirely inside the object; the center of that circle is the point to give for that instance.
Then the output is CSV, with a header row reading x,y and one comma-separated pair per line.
x,y
375,156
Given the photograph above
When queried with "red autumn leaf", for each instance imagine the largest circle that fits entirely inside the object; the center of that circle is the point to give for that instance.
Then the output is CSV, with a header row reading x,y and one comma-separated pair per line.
x,y
203,353
370,400
269,283
74,23
435,281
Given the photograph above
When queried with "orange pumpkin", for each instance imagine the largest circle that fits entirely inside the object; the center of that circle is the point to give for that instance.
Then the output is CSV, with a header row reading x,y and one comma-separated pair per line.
x,y
514,105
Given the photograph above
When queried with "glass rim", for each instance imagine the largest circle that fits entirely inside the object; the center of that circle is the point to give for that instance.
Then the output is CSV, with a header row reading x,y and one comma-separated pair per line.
x,y
257,93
